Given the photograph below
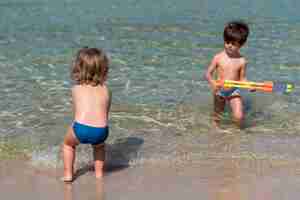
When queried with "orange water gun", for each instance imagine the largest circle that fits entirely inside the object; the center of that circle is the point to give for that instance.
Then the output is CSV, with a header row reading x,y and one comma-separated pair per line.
x,y
269,86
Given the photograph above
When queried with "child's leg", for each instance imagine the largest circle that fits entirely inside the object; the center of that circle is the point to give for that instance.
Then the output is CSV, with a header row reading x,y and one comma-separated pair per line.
x,y
99,157
236,105
219,106
69,145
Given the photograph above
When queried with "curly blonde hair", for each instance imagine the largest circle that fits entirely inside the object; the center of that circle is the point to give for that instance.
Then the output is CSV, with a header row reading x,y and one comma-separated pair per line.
x,y
90,67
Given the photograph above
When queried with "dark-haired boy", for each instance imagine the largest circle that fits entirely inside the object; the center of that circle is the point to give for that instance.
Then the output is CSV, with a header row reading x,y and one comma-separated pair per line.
x,y
229,64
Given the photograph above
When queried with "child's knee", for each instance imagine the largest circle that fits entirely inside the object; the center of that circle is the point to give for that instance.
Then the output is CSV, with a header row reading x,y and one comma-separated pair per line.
x,y
99,147
67,147
238,116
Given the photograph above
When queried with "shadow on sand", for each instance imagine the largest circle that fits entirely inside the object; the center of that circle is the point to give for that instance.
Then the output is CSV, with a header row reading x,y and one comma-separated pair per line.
x,y
118,155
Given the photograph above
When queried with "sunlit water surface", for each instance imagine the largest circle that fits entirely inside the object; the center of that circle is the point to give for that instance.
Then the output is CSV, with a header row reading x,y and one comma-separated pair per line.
x,y
159,51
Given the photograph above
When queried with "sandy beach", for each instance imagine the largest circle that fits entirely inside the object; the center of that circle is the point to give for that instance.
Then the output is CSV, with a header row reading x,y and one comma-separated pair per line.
x,y
161,143
215,179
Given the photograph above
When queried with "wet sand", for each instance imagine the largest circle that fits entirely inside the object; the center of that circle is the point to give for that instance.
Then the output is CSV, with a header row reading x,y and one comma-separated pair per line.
x,y
213,179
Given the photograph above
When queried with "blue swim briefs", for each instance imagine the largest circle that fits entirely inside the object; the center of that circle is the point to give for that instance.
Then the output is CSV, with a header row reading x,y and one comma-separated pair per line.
x,y
228,93
89,134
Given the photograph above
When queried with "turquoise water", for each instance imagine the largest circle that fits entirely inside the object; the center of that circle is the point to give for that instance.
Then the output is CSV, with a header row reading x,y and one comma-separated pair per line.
x,y
159,51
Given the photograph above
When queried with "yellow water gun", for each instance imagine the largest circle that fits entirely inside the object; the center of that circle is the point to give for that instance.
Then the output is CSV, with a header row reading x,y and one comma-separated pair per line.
x,y
268,86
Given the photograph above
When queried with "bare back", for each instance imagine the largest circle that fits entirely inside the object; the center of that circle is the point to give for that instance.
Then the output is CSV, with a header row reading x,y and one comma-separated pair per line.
x,y
91,104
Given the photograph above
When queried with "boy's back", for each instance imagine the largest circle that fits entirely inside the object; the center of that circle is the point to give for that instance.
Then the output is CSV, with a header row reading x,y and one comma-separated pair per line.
x,y
91,104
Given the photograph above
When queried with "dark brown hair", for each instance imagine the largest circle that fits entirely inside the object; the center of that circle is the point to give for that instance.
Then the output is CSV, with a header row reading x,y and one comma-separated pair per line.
x,y
90,67
236,31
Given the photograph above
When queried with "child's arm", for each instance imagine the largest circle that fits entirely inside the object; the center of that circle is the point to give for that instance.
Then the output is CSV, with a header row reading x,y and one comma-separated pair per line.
x,y
73,100
109,103
243,73
209,73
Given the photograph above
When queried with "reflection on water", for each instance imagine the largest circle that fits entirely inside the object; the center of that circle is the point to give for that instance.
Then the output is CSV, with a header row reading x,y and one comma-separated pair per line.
x,y
227,180
240,175
71,192
159,52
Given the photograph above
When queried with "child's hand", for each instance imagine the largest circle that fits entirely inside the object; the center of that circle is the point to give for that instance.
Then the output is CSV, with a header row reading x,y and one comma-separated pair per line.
x,y
216,85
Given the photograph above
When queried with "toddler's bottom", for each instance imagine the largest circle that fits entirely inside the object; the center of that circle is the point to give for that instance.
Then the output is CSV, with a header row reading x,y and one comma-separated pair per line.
x,y
89,134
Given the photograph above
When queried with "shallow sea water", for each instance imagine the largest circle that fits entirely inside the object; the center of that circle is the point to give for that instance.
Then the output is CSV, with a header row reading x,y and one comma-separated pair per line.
x,y
159,51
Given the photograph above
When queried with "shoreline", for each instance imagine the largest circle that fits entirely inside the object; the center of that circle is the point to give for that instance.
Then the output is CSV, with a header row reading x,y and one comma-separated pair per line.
x,y
212,179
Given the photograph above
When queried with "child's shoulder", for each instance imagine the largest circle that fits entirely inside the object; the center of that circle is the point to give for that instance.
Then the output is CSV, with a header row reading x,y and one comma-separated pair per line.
x,y
104,87
243,60
218,56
